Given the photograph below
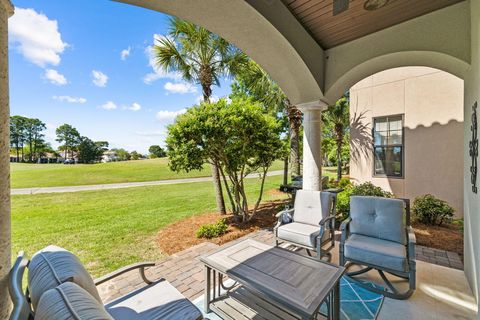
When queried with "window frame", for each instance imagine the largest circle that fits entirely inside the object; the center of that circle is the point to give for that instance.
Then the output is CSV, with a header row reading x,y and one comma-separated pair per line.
x,y
385,175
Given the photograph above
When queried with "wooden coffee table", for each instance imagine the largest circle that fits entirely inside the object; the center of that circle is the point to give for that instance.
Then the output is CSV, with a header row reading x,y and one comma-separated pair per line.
x,y
270,283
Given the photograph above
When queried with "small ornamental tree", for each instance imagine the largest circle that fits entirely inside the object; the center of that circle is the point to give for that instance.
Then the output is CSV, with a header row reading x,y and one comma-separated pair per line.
x,y
237,137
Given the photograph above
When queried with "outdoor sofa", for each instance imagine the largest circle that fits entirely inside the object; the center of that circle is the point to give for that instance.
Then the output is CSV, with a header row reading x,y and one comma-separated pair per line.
x,y
59,288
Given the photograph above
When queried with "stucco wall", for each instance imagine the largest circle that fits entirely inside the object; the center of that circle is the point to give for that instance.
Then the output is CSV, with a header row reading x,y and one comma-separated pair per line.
x,y
472,200
432,104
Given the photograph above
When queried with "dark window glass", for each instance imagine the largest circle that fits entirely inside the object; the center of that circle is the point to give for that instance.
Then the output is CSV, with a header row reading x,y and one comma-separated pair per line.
x,y
388,146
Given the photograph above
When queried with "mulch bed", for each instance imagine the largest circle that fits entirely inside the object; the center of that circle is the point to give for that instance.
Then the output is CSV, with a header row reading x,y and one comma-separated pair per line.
x,y
181,235
446,237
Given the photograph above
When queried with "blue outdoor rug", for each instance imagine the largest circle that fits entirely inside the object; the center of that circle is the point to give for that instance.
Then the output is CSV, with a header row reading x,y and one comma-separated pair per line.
x,y
356,303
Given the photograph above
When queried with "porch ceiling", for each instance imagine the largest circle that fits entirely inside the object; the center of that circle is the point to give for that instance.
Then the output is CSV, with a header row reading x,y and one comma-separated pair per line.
x,y
330,31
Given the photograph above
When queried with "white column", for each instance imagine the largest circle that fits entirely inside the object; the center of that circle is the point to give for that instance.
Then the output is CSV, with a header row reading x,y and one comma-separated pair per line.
x,y
312,144
6,10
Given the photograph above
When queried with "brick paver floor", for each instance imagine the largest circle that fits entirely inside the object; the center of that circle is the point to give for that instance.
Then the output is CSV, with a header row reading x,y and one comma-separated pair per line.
x,y
185,271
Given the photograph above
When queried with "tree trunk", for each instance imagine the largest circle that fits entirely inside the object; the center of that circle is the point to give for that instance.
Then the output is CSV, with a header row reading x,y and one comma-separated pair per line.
x,y
218,189
295,119
18,153
339,165
285,171
31,150
229,193
206,81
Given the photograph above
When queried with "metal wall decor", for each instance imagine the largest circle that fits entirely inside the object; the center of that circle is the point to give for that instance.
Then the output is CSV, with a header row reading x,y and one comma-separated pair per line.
x,y
474,149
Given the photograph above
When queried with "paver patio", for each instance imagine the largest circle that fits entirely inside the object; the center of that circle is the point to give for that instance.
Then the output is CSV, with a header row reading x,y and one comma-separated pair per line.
x,y
442,292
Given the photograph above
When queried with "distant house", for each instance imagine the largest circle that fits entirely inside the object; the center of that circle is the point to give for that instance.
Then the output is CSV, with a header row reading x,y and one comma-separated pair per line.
x,y
109,156
406,133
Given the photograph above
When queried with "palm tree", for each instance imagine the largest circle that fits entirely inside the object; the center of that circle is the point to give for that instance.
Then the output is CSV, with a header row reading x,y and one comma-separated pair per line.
x,y
201,57
259,84
337,117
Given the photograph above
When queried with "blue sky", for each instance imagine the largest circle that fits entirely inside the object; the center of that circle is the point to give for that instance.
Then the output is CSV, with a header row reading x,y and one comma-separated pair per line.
x,y
86,63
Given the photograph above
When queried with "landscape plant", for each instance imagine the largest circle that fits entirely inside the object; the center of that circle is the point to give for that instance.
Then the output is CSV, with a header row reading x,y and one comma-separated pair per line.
x,y
212,230
430,210
364,189
200,57
237,136
156,151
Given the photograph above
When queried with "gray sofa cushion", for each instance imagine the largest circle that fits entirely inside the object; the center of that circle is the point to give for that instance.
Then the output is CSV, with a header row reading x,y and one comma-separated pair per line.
x,y
53,266
158,301
311,206
68,301
376,217
300,233
379,252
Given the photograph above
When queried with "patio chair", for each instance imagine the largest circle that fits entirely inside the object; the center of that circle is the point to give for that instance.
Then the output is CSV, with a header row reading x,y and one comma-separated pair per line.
x,y
378,236
59,287
310,224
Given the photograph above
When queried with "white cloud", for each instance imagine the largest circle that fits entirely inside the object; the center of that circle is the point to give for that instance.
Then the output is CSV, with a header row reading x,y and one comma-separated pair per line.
x,y
69,99
158,73
55,77
36,37
109,106
180,87
134,107
100,79
199,99
166,115
125,53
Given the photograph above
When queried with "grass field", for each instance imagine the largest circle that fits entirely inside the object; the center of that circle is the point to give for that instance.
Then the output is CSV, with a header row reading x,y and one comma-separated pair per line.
x,y
111,228
25,175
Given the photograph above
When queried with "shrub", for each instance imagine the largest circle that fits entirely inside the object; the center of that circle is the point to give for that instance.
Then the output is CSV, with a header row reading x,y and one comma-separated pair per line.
x,y
364,189
212,230
430,210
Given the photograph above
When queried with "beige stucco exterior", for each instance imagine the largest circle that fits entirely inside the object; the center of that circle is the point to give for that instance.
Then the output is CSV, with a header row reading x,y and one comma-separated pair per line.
x,y
431,102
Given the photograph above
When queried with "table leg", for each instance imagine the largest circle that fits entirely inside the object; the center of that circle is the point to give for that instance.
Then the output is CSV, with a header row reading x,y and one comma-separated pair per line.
x,y
336,301
207,289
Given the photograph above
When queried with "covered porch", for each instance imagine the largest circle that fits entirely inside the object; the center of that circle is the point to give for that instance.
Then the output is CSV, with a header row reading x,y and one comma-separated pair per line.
x,y
442,293
315,56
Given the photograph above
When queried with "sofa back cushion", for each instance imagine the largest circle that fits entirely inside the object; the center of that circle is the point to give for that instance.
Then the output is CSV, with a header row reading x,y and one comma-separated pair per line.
x,y
53,266
69,301
381,218
311,206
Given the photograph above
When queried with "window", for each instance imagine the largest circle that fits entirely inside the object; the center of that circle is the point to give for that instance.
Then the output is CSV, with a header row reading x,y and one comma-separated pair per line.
x,y
388,146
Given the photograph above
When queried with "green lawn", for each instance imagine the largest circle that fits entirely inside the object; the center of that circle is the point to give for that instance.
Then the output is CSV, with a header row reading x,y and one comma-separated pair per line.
x,y
111,228
25,175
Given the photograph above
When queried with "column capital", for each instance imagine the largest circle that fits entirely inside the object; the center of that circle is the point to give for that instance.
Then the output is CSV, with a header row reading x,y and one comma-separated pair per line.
x,y
8,6
319,105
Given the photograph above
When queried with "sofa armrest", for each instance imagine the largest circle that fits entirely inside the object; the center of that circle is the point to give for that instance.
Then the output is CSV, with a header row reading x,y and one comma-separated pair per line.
x,y
412,240
345,230
281,213
328,221
140,266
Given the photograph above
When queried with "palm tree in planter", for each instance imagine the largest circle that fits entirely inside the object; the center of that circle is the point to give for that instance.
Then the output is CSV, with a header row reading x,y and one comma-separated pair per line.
x,y
201,57
262,88
337,119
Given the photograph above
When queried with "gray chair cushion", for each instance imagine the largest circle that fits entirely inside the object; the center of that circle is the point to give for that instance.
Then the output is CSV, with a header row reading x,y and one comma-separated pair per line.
x,y
53,266
381,218
68,301
300,233
311,206
378,252
158,301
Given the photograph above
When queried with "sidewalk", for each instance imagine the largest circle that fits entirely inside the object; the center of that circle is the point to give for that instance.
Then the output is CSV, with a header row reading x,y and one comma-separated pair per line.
x,y
122,185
